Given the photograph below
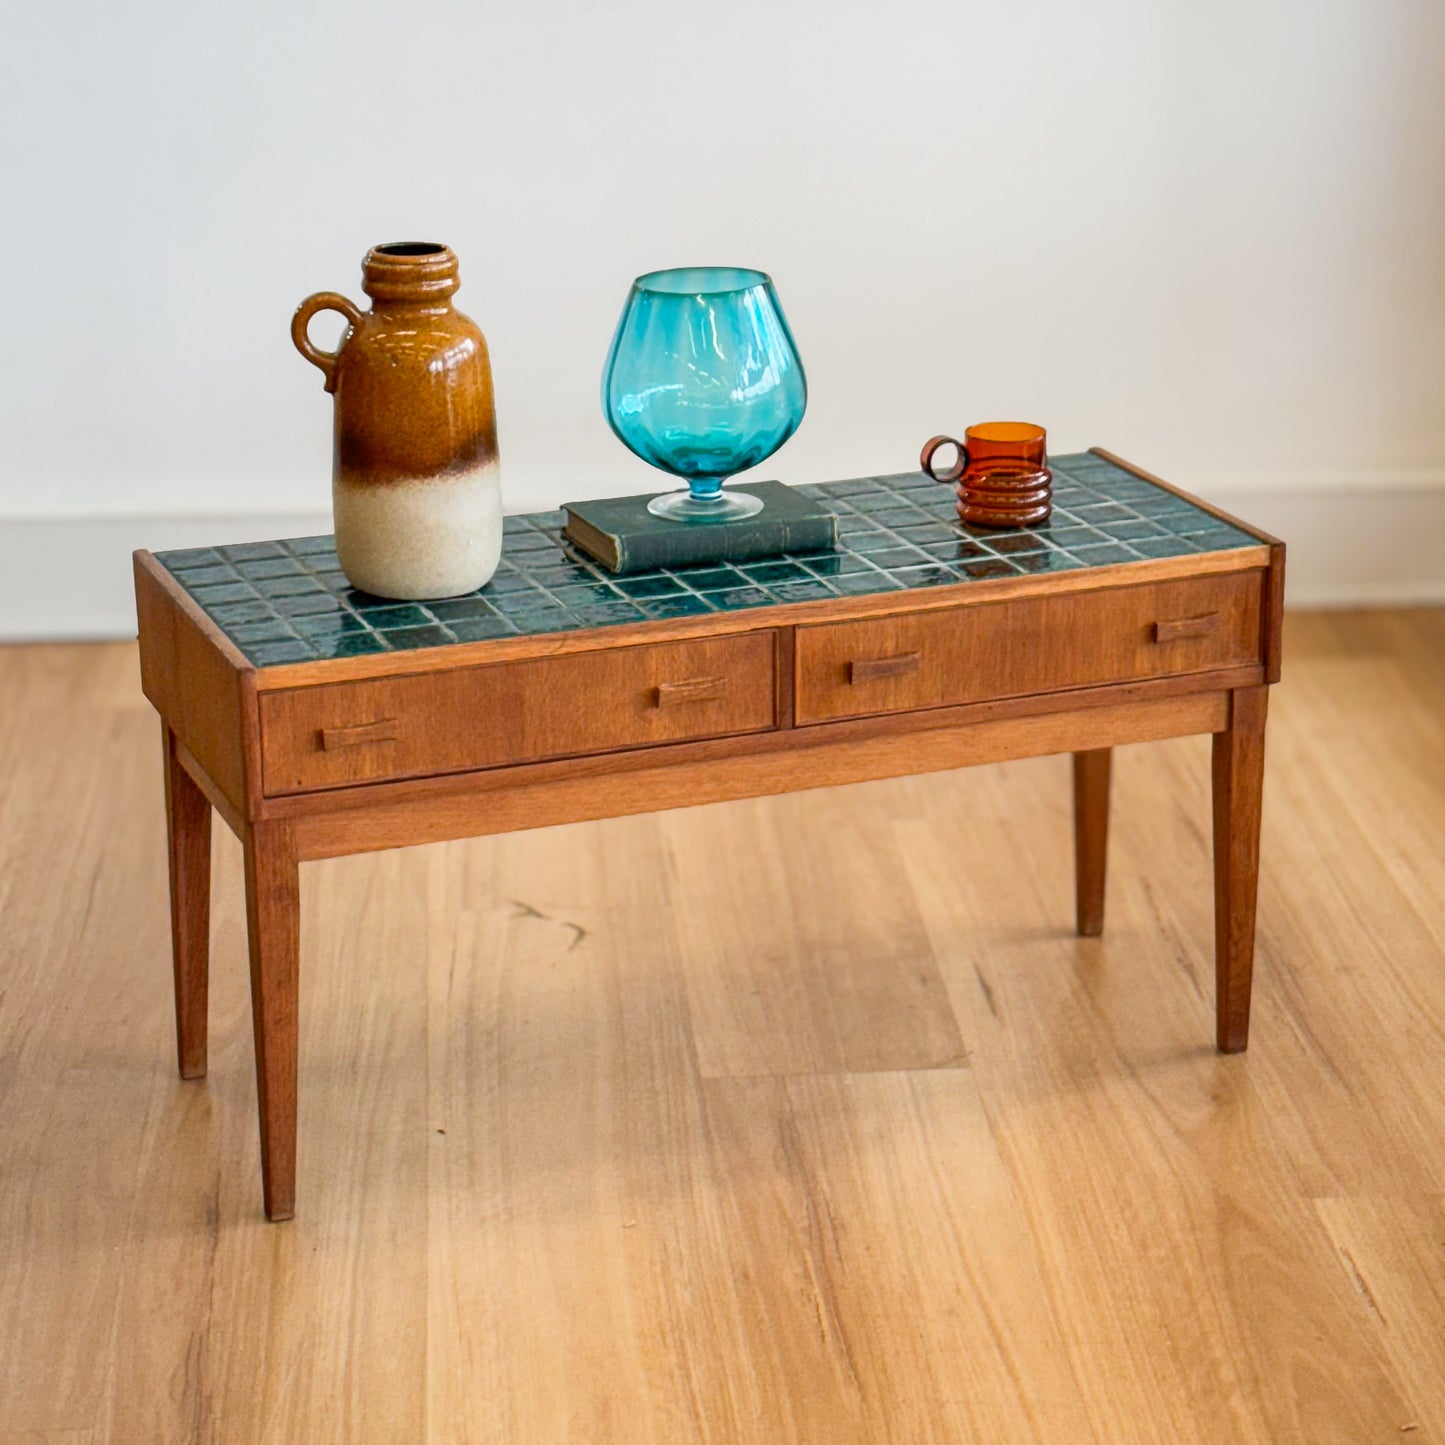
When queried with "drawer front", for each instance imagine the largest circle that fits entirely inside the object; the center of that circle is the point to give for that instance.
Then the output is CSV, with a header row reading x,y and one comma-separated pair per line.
x,y
478,717
1037,644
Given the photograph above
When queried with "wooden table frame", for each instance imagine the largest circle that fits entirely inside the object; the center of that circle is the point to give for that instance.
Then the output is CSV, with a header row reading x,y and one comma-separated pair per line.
x,y
211,700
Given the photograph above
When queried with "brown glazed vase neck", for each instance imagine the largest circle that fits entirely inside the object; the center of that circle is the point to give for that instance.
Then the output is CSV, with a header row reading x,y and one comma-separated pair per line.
x,y
410,273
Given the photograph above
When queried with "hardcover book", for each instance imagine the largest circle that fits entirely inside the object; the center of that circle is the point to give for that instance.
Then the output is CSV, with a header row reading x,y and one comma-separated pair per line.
x,y
625,537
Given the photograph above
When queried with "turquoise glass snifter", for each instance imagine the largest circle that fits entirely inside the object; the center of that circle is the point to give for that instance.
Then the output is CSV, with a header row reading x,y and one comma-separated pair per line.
x,y
703,380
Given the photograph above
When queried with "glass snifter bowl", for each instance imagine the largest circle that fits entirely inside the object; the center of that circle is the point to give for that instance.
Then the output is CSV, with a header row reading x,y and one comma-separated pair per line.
x,y
703,380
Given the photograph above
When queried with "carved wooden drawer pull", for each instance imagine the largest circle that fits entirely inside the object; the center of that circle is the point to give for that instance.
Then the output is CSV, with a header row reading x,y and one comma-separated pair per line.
x,y
383,731
693,689
1186,627
868,669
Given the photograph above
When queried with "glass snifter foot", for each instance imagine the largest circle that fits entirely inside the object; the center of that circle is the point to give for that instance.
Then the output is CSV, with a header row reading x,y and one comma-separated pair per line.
x,y
697,506
703,381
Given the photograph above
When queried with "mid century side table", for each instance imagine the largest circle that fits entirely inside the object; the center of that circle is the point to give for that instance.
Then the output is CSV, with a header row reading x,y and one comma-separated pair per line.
x,y
318,721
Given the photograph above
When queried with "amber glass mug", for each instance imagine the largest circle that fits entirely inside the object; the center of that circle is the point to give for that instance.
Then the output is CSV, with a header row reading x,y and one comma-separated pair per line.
x,y
1001,475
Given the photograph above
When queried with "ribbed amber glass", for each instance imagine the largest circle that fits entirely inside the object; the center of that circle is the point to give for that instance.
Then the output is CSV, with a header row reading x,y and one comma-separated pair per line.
x,y
1001,473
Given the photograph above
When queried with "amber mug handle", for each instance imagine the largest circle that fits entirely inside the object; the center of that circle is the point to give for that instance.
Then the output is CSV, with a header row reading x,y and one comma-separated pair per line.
x,y
321,301
925,460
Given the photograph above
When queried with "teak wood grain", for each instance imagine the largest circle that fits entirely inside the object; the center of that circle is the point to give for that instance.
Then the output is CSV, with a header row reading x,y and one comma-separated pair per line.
x,y
1091,838
188,834
317,760
195,679
1272,616
228,811
779,615
1035,645
451,808
1238,767
898,727
273,921
478,717
709,1170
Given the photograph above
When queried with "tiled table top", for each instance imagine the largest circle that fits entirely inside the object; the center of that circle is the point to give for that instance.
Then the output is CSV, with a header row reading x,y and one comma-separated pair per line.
x,y
287,601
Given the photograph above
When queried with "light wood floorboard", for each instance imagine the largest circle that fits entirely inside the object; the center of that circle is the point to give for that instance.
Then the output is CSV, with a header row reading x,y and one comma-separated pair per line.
x,y
799,1120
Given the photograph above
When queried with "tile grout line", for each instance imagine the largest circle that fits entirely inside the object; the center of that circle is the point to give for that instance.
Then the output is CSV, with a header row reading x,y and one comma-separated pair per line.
x,y
551,587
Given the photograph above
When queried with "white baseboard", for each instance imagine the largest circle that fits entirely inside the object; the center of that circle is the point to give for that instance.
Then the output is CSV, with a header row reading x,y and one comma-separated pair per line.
x,y
68,579
1377,543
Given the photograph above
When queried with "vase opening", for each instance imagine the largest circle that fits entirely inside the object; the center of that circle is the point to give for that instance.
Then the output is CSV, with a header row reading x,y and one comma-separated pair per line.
x,y
410,273
702,280
410,248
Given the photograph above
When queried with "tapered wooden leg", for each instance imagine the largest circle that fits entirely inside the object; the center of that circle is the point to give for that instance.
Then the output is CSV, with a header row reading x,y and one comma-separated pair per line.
x,y
188,838
273,916
1238,787
1091,837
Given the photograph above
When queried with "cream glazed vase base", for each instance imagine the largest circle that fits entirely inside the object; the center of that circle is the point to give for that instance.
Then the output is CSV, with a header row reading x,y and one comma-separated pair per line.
x,y
419,539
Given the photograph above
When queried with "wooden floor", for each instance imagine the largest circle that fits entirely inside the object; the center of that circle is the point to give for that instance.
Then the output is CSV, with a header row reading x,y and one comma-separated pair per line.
x,y
806,1119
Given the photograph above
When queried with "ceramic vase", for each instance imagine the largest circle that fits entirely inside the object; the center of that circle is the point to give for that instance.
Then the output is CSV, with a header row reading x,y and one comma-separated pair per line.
x,y
415,488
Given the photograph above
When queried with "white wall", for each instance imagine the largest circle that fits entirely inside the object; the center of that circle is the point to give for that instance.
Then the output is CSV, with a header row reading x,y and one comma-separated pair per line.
x,y
1208,236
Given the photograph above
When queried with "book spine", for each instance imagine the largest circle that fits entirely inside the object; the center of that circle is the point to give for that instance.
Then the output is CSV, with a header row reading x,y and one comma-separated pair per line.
x,y
606,547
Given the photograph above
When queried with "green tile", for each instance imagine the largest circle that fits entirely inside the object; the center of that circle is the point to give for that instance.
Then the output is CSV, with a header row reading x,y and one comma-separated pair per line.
x,y
860,584
270,630
1010,544
608,614
454,609
708,579
289,601
770,572
933,575
1134,531
478,629
960,549
270,567
328,624
185,559
384,615
222,592
308,604
1099,513
1051,561
808,590
870,542
647,586
895,558
840,564
991,567
202,576
1101,556
433,635
507,581
350,644
252,551
685,604
266,654
289,586
739,597
228,614
1164,546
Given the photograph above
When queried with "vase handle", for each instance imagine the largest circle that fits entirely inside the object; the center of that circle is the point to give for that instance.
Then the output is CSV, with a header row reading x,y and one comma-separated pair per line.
x,y
925,460
321,301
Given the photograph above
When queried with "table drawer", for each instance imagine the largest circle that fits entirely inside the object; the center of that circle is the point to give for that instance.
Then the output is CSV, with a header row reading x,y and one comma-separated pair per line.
x,y
479,717
971,653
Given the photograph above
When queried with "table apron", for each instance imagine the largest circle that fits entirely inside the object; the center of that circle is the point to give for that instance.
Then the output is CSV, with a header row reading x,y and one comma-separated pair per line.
x,y
457,807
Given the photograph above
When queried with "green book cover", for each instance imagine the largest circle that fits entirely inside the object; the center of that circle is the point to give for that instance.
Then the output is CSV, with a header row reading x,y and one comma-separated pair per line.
x,y
625,537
